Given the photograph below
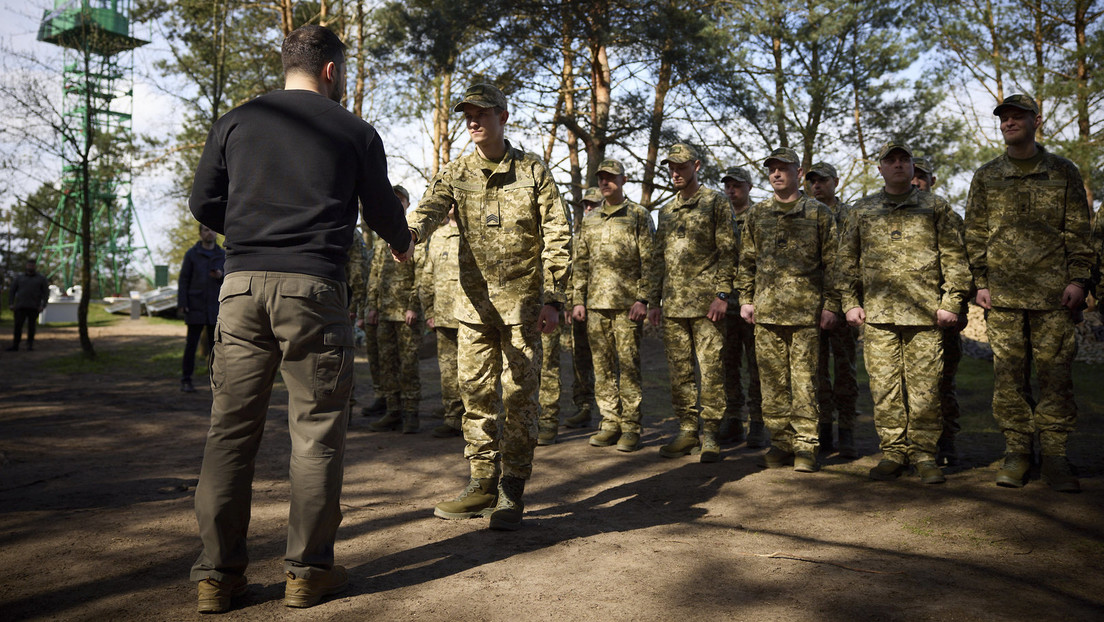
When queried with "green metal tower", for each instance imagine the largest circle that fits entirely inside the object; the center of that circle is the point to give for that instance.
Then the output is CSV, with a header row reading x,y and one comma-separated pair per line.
x,y
98,139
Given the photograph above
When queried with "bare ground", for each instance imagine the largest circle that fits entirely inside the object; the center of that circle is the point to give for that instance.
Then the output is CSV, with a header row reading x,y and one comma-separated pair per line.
x,y
97,472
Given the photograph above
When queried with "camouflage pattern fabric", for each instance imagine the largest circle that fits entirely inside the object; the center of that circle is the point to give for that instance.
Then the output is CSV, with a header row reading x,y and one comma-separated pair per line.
x,y
786,258
450,385
439,279
550,385
398,355
837,382
905,389
356,271
582,366
371,342
1052,341
740,344
391,286
695,254
615,343
688,341
1028,233
902,262
787,358
509,354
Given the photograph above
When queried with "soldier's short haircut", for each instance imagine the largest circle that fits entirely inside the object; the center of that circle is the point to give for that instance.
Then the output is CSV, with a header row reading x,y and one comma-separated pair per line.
x,y
308,48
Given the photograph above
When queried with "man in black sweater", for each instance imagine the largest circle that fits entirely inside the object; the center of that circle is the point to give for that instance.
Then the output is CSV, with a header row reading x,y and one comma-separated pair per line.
x,y
280,177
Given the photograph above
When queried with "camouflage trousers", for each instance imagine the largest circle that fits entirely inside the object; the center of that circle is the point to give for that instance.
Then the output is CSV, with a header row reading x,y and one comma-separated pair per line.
x,y
838,395
450,386
740,343
948,389
582,366
905,364
615,348
550,385
688,341
398,364
371,347
787,358
1047,338
499,430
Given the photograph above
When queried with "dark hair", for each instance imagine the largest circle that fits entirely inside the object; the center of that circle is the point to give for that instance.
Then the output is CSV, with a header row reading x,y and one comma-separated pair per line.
x,y
308,48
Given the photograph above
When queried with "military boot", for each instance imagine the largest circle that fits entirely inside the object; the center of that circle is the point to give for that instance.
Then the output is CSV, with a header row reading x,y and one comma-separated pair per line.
x,y
847,445
806,462
945,453
1058,474
731,431
547,436
710,448
682,445
479,496
410,423
930,473
629,441
1013,474
376,408
506,515
776,458
887,470
757,435
825,437
448,429
605,438
580,419
390,421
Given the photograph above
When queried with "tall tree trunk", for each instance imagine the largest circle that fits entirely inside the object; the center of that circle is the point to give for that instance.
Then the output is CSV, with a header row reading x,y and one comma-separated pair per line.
x,y
996,48
1038,37
87,211
600,97
358,85
572,139
287,16
779,86
655,128
1084,127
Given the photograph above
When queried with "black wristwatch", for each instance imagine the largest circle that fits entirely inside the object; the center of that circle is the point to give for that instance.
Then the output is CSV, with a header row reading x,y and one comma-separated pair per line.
x,y
723,296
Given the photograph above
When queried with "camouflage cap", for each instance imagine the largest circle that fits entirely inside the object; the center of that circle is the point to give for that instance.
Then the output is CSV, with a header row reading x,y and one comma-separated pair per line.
x,y
823,169
399,190
482,95
737,174
923,164
679,154
890,146
1019,100
593,195
783,154
611,166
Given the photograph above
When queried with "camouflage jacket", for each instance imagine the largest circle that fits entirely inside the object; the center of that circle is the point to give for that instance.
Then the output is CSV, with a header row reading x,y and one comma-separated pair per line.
x,y
356,270
902,262
738,221
786,262
1028,235
439,279
613,258
514,234
391,286
695,254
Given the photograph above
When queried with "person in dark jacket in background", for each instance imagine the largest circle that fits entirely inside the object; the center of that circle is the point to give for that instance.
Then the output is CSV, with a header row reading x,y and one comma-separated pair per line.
x,y
27,298
200,280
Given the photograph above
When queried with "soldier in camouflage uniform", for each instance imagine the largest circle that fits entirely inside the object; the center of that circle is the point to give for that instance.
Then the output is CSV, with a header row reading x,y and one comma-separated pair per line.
x,y
1028,236
439,285
946,454
840,343
740,339
902,271
514,255
788,247
695,254
613,282
371,343
394,309
356,271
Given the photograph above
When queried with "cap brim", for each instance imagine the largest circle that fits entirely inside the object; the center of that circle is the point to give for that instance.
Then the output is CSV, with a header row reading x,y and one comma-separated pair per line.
x,y
996,111
460,107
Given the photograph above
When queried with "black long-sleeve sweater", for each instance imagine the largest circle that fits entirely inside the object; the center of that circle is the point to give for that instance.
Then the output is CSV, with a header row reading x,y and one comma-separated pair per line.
x,y
280,177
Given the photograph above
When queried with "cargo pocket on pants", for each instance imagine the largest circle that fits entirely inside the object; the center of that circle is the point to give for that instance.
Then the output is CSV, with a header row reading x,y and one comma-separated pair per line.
x,y
215,367
334,367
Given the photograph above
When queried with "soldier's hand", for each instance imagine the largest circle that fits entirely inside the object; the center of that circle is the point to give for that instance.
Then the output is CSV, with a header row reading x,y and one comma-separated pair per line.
x,y
748,313
717,310
578,314
827,319
856,316
1073,296
410,317
946,319
548,319
983,299
430,323
406,253
638,311
372,317
655,314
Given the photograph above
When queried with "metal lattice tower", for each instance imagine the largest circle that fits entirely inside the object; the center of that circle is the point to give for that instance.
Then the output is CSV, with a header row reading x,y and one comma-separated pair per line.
x,y
98,97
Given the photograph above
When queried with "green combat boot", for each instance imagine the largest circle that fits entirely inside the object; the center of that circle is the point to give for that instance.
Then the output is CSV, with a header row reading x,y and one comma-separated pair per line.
x,y
376,408
825,440
506,515
683,444
630,441
546,436
1013,474
887,470
757,435
1058,474
710,448
448,429
776,458
930,473
731,431
390,421
580,419
847,445
410,423
605,438
476,498
806,462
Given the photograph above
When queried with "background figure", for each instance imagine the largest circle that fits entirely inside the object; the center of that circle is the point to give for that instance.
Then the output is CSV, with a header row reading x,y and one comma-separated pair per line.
x,y
582,361
27,298
439,284
378,405
356,271
550,386
198,297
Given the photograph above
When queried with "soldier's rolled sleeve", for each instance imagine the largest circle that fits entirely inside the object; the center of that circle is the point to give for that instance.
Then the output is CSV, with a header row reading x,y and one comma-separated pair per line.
x,y
977,232
556,234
